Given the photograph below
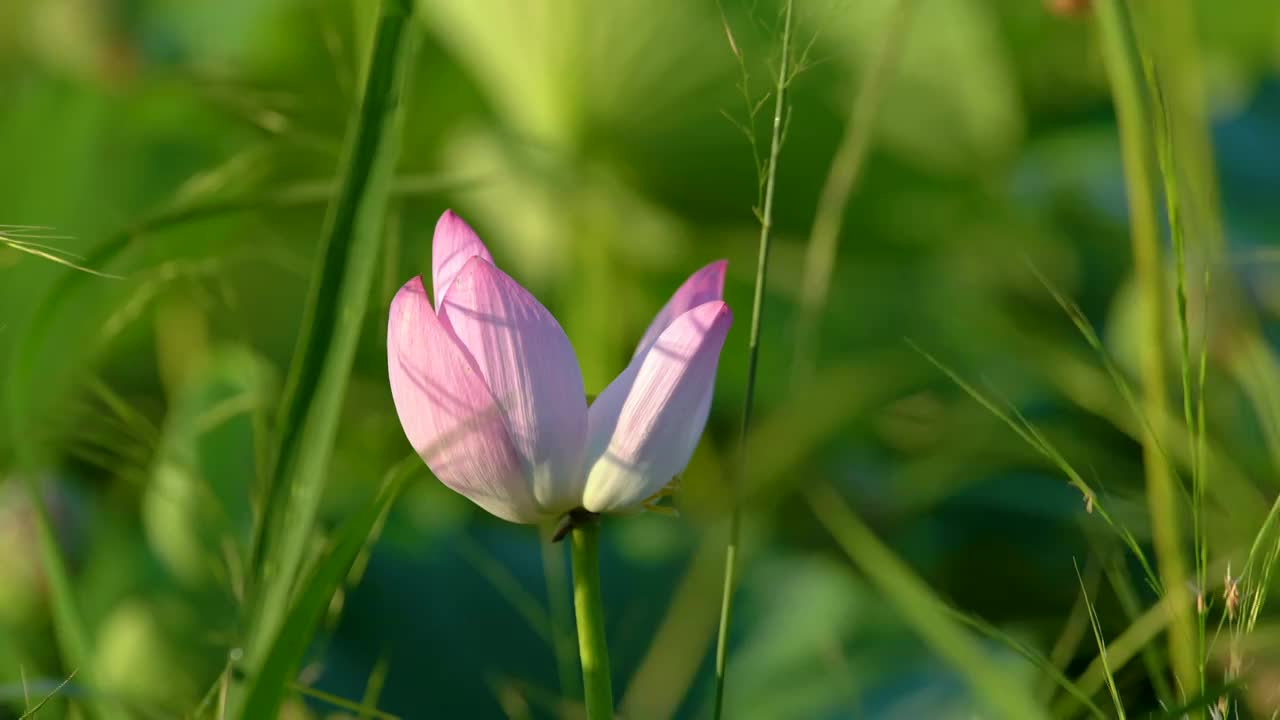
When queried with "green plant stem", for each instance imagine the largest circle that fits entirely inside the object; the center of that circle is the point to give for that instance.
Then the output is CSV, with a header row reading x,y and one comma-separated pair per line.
x,y
596,684
753,354
1124,70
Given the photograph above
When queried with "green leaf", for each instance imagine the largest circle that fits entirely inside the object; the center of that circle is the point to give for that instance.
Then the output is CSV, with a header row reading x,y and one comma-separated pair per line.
x,y
334,314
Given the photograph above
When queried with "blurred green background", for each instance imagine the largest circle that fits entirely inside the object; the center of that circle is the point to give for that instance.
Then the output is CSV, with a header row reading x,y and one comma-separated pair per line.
x,y
186,150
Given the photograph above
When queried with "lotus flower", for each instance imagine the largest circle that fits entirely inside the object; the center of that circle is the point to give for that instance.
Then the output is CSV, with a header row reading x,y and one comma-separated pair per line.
x,y
489,392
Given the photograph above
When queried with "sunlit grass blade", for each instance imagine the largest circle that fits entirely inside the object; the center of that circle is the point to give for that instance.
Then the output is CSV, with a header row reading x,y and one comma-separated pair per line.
x,y
50,253
921,609
268,687
332,320
1123,64
1193,398
767,175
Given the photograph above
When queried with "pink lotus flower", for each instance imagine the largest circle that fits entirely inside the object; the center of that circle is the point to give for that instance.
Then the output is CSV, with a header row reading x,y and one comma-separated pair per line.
x,y
489,392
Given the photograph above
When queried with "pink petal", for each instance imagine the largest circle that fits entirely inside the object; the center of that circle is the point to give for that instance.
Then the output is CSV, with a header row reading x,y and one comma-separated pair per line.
x,y
448,413
529,366
644,427
453,245
702,287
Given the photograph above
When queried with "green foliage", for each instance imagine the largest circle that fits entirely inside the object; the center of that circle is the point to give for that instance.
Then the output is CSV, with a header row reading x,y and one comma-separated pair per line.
x,y
962,366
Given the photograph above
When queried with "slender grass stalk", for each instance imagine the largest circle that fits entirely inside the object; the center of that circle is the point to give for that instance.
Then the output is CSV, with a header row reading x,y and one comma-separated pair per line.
x,y
1072,633
1117,571
1192,417
596,684
1102,648
1138,635
753,355
842,178
339,295
1123,64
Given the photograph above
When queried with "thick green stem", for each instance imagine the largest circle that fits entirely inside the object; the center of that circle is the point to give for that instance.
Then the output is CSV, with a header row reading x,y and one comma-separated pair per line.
x,y
597,687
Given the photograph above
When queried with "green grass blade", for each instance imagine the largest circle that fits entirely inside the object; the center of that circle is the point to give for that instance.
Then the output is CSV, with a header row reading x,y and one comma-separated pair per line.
x,y
922,609
331,328
1122,60
1102,648
268,687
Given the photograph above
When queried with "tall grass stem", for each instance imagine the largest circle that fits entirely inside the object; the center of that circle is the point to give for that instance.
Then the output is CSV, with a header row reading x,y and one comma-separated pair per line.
x,y
1124,71
753,355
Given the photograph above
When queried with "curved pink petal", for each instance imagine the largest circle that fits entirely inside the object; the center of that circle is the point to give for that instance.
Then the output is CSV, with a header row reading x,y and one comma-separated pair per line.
x,y
452,246
448,413
702,287
529,366
645,426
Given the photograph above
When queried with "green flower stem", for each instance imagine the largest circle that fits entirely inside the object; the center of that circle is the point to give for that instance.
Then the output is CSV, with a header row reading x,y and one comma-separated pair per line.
x,y
597,688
